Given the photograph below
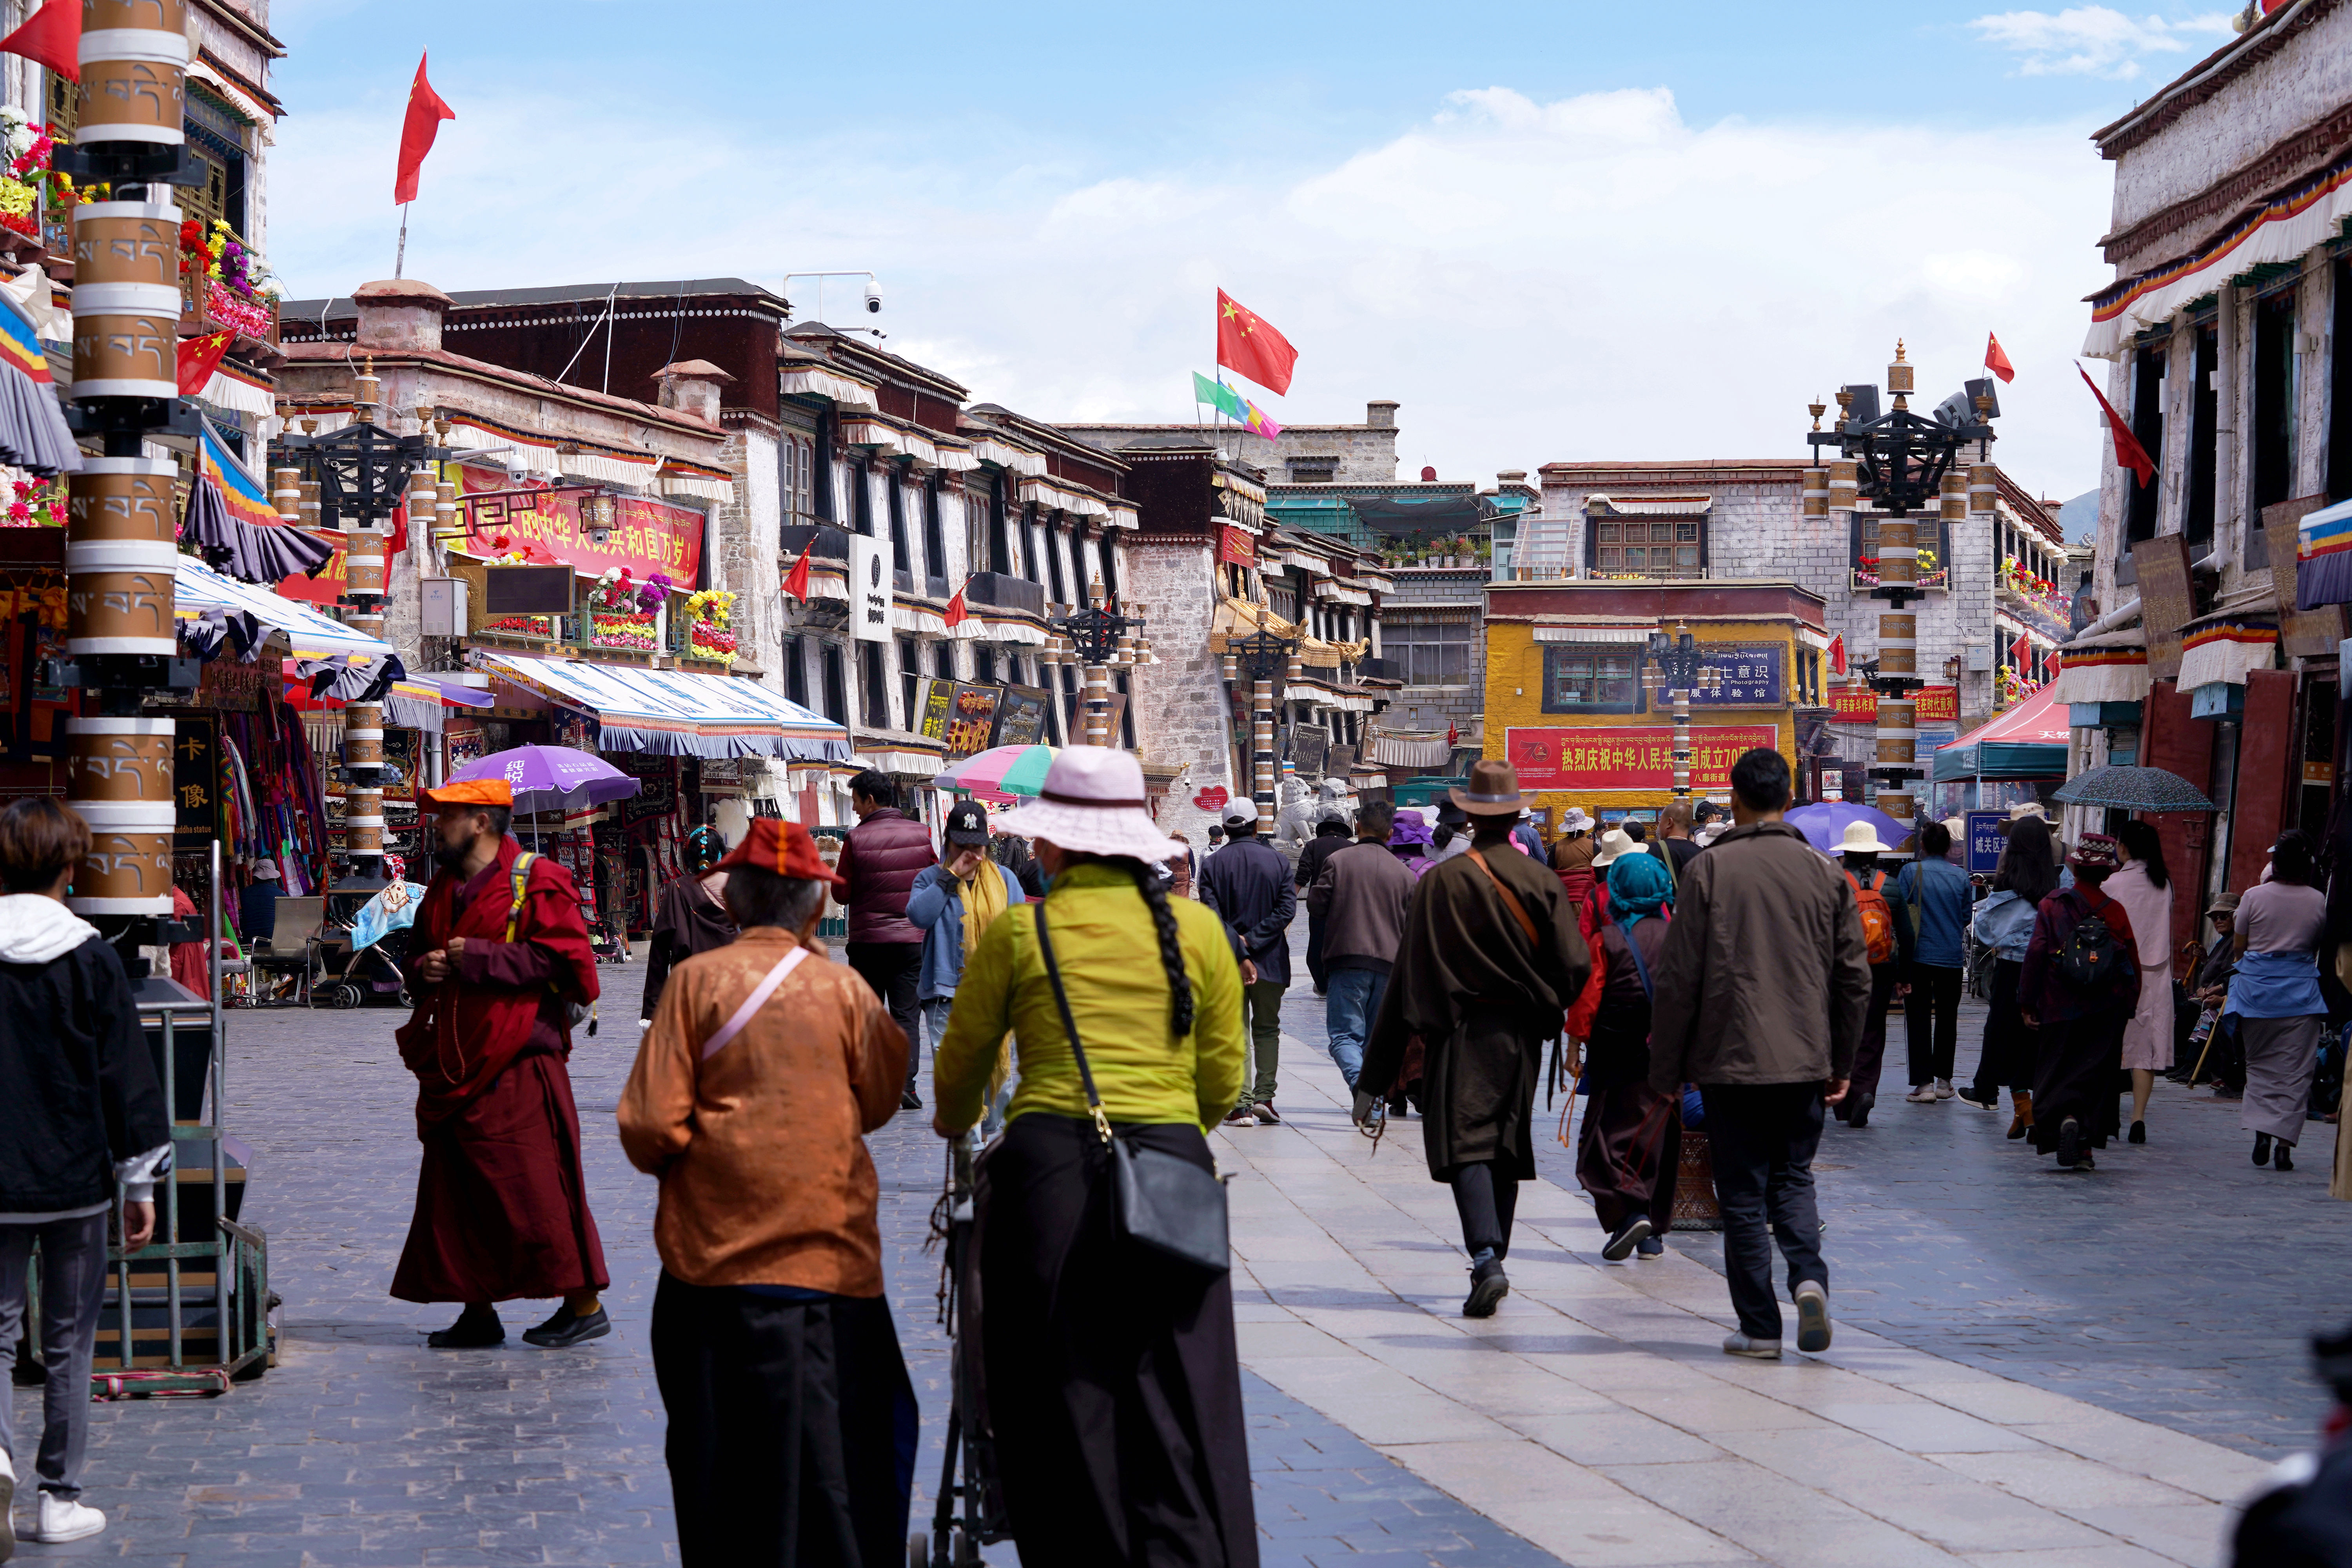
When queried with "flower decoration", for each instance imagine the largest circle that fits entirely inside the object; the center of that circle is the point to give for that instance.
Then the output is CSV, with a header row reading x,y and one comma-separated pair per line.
x,y
654,593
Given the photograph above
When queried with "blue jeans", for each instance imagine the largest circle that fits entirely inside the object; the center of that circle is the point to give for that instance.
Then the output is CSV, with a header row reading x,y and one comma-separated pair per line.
x,y
1350,1007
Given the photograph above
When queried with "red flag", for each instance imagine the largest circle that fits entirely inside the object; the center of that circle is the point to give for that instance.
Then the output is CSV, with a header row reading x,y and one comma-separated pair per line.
x,y
2129,453
1837,654
199,357
1248,346
957,614
2022,650
796,579
426,113
1453,735
51,35
1998,362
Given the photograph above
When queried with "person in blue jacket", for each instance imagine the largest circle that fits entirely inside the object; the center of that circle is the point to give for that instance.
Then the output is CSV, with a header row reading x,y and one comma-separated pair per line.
x,y
951,904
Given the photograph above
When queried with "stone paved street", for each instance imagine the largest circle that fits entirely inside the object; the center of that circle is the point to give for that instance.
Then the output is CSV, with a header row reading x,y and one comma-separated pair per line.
x,y
2025,1365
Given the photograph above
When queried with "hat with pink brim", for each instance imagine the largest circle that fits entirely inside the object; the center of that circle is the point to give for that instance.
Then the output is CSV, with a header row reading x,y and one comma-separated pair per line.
x,y
1092,803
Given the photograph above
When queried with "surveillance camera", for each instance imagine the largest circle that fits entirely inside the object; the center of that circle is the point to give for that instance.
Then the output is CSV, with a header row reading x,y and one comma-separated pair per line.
x,y
873,296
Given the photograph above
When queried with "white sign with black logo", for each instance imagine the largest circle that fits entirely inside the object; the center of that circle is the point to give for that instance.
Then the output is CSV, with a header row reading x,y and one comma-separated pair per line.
x,y
869,588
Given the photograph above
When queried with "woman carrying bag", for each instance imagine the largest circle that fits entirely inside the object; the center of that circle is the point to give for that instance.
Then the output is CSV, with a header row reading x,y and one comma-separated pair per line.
x,y
1106,1326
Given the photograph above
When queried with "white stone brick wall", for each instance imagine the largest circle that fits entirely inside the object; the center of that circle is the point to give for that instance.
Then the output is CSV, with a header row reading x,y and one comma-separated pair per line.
x,y
1179,703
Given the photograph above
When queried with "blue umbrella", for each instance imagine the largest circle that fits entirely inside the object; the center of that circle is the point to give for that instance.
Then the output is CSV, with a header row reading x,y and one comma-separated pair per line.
x,y
1824,823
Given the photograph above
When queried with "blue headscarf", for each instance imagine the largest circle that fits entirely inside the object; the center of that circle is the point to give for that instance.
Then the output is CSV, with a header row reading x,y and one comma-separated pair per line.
x,y
1639,885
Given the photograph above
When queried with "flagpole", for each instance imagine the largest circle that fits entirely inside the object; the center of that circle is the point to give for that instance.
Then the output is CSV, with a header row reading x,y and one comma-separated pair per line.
x,y
400,256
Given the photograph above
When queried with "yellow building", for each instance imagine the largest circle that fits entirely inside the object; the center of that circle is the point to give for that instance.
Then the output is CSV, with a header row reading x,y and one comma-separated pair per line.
x,y
1573,702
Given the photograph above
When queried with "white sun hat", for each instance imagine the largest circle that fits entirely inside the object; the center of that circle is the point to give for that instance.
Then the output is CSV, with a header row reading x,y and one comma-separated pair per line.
x,y
1092,803
1616,842
1576,821
1861,838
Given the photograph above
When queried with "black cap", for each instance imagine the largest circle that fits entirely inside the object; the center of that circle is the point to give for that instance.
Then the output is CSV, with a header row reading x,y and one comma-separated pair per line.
x,y
967,824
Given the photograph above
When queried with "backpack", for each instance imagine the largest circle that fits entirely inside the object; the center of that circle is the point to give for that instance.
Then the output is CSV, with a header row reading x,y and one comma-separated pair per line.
x,y
573,1012
2091,959
1878,918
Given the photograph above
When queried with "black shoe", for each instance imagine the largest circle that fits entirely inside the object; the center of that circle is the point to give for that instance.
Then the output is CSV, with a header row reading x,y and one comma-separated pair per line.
x,y
1975,1100
2083,1161
1652,1247
1628,1235
910,1100
1858,1114
473,1331
2070,1143
1489,1285
2138,1133
2284,1158
563,1329
2261,1148
2017,1127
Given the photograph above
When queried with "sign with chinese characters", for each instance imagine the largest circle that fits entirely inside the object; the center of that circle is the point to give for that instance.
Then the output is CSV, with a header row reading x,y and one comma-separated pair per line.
x,y
648,536
1858,704
1986,839
195,778
971,719
1212,798
1737,676
870,576
938,698
1631,757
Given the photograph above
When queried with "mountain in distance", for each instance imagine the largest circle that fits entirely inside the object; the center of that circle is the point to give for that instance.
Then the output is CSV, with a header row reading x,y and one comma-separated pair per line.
x,y
2080,518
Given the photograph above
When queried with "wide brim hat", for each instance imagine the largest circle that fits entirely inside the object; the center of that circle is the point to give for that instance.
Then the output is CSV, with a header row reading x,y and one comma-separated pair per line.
x,y
1491,790
2227,904
1613,843
1576,821
1861,838
265,870
1092,803
785,848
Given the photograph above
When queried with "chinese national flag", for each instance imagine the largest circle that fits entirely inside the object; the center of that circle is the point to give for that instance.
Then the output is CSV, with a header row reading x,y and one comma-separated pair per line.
x,y
426,113
1998,362
796,579
1248,346
957,614
1837,654
199,357
2129,453
51,36
2022,650
1453,735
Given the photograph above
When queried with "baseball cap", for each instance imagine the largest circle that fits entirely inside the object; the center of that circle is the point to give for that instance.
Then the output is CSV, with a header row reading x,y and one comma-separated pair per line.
x,y
785,848
473,792
967,824
1241,814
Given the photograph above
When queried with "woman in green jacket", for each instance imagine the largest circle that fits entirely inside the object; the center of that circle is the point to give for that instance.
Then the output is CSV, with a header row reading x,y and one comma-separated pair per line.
x,y
1117,1424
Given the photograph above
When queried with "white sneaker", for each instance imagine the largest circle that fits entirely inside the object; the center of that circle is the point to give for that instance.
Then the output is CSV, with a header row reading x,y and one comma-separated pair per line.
x,y
7,1503
60,1519
1943,1089
1760,1350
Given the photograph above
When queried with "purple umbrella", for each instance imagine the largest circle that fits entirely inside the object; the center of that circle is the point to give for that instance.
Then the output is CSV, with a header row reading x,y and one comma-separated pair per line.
x,y
1824,823
551,777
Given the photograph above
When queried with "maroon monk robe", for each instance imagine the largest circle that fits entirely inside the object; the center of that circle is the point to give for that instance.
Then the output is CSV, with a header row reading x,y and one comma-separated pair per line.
x,y
502,1204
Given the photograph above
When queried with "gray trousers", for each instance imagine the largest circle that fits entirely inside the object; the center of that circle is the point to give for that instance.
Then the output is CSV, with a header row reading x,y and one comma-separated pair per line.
x,y
73,1284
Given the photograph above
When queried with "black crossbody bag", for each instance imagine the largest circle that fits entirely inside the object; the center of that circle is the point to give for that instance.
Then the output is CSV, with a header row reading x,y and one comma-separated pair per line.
x,y
1167,1204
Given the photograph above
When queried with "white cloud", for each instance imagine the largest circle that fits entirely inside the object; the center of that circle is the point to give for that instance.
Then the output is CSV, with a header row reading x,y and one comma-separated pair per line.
x,y
1588,278
2093,40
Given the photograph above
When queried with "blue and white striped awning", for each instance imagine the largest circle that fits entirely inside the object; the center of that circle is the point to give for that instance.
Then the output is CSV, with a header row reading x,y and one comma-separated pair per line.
x,y
675,713
201,590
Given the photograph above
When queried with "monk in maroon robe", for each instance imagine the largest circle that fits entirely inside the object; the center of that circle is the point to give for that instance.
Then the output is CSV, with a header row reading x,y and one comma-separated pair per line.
x,y
501,1204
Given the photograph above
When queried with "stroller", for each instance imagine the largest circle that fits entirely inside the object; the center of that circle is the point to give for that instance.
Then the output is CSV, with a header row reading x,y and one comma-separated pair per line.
x,y
358,965
969,1512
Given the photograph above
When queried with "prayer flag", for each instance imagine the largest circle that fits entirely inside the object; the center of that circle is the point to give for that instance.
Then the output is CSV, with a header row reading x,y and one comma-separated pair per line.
x,y
426,113
1996,361
1259,422
1249,346
2129,453
1216,394
52,37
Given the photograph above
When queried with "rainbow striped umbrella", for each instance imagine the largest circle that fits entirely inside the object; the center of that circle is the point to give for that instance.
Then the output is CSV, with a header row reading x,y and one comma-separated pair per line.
x,y
1000,772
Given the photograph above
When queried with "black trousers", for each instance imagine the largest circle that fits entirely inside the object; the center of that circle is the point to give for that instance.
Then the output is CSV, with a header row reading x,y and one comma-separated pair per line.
x,y
1763,1136
1315,968
791,1427
1871,1055
1485,1196
2010,1046
1931,1018
892,969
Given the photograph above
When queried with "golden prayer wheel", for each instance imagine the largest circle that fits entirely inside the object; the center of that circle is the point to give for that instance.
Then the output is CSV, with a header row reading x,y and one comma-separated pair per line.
x,y
1897,659
1955,497
106,15
131,354
134,100
362,734
1817,493
1897,550
127,242
118,759
1982,490
364,836
129,868
123,499
364,561
286,494
1894,751
121,612
1845,484
1896,805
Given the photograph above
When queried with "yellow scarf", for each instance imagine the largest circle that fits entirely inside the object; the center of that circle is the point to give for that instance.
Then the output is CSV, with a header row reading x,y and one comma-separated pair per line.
x,y
982,893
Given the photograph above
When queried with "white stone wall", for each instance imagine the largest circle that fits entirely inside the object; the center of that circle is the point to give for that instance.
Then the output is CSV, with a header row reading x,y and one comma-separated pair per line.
x,y
1179,703
746,535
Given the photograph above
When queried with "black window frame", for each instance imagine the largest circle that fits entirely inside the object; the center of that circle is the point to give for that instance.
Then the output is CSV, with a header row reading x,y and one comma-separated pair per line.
x,y
895,478
999,543
911,670
836,683
876,685
1558,654
795,672
1862,535
1053,565
2339,378
935,537
2271,473
2143,503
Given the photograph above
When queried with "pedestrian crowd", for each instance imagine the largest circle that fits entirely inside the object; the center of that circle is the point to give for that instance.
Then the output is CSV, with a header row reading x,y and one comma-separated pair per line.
x,y
1098,999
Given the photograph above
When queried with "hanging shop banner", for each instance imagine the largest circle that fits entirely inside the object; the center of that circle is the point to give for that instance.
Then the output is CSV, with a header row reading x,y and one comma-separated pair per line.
x,y
1631,757
1310,745
1738,677
1021,717
1235,548
938,701
401,751
870,577
1859,704
972,721
195,778
648,537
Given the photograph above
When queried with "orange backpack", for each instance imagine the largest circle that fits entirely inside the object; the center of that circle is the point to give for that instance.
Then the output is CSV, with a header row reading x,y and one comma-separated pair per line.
x,y
1878,918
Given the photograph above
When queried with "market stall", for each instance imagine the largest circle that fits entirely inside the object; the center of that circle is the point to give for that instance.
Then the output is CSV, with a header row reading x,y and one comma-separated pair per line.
x,y
2000,763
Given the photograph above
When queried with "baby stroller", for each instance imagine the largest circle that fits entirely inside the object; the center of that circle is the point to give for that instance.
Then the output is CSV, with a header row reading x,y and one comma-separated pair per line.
x,y
358,965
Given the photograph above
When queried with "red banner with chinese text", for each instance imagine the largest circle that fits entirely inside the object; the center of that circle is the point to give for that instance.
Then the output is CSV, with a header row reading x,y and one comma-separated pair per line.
x,y
648,536
1631,757
1235,548
1859,705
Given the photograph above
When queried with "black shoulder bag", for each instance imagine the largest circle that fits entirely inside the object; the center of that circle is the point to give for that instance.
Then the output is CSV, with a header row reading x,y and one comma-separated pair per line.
x,y
1165,1202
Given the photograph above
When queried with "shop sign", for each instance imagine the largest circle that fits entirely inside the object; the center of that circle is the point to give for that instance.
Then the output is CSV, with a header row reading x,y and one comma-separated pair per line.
x,y
1738,676
648,536
1310,744
972,721
1859,704
939,699
1235,548
1986,840
1212,798
870,577
195,778
1021,717
2167,603
1631,757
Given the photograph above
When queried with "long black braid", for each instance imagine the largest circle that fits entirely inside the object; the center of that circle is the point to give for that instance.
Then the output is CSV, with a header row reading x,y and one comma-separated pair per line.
x,y
1171,955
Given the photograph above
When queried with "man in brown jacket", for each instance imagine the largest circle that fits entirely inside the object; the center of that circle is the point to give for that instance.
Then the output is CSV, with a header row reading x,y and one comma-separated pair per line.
x,y
765,1065
1760,998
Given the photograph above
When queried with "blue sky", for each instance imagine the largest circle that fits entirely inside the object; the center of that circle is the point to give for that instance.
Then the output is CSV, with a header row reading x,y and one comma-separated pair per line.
x,y
1552,232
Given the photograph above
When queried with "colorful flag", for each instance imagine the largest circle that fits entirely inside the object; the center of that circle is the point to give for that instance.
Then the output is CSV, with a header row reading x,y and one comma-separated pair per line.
x,y
2129,453
52,37
1247,345
1220,396
240,492
2022,652
796,579
1260,422
199,357
1996,361
426,113
957,614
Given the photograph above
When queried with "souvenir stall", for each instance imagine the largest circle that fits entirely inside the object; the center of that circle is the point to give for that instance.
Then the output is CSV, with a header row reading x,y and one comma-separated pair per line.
x,y
2018,757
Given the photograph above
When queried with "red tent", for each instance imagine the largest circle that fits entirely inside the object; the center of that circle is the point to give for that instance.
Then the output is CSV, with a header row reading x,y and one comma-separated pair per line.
x,y
2029,742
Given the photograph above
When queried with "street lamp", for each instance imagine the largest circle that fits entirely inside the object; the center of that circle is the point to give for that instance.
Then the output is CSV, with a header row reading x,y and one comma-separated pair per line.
x,y
1258,659
1677,666
1900,460
1094,637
